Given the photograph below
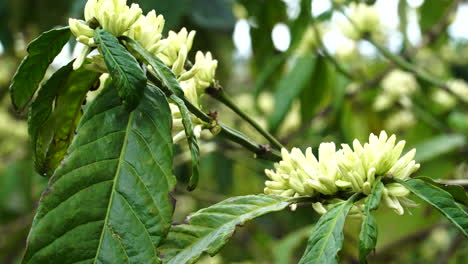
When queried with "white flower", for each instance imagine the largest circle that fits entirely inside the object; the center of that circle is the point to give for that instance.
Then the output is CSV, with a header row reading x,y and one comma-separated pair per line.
x,y
399,83
178,45
347,51
190,91
444,99
343,170
305,174
459,88
397,86
148,31
364,19
205,68
402,119
112,15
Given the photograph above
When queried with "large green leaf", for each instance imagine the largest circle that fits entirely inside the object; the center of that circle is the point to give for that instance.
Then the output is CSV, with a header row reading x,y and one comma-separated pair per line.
x,y
52,128
208,230
124,70
289,89
168,79
439,199
438,146
327,238
109,200
368,234
42,52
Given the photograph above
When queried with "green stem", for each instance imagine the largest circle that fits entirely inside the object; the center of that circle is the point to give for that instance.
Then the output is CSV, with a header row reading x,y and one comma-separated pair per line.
x,y
402,63
219,94
260,151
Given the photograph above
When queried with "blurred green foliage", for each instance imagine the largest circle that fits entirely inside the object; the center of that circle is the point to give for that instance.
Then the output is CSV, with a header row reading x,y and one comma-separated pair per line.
x,y
302,98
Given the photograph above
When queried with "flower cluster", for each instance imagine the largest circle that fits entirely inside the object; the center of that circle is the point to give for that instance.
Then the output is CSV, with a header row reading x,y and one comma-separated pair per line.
x,y
397,86
119,19
362,19
459,88
346,170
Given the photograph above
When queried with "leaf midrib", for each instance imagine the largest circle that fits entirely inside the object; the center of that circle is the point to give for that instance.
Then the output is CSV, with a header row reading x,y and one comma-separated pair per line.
x,y
116,64
329,233
113,191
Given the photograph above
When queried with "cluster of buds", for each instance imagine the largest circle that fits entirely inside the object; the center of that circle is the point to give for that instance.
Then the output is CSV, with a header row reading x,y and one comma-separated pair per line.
x,y
459,88
397,86
119,19
363,19
346,170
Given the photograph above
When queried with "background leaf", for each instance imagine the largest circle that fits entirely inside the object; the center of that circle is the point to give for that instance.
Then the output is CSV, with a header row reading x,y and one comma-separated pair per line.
x,y
208,230
214,14
437,146
289,89
109,201
42,52
441,200
129,78
327,238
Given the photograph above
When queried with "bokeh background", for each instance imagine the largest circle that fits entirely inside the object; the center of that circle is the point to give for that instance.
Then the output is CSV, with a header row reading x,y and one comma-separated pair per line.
x,y
278,73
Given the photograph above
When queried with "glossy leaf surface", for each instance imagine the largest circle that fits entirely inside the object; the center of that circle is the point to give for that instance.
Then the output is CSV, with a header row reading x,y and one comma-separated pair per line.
x,y
129,78
109,200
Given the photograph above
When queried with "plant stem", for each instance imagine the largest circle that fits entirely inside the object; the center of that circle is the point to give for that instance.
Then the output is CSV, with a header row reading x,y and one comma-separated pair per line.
x,y
398,60
261,151
219,94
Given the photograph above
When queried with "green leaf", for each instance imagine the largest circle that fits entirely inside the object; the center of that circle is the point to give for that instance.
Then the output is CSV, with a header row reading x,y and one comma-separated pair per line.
x,y
439,199
368,234
299,25
109,200
431,12
163,73
327,238
129,78
318,89
208,230
268,72
169,80
55,113
289,89
192,141
458,192
284,249
438,145
42,52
